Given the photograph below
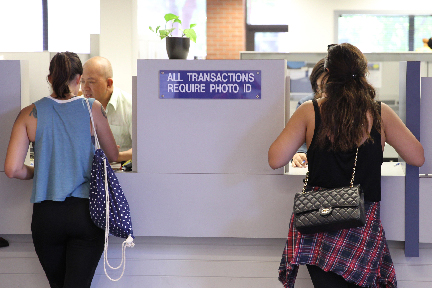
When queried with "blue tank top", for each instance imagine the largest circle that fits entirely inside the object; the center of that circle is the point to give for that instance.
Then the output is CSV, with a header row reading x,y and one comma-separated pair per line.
x,y
63,149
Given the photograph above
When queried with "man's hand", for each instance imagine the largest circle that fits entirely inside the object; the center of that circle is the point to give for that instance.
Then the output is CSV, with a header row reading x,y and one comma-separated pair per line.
x,y
125,155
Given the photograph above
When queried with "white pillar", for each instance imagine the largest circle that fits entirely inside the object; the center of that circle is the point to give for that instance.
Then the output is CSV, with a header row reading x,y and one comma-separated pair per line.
x,y
118,39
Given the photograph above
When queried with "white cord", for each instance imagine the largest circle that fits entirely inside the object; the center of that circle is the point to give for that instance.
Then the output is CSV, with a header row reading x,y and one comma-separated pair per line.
x,y
97,146
107,202
129,241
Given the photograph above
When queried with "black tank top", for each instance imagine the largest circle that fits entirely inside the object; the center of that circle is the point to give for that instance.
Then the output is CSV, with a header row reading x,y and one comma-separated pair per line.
x,y
330,169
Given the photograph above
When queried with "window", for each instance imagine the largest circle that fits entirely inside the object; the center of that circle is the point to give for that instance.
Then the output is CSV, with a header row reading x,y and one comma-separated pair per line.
x,y
269,12
383,32
423,29
71,23
265,26
22,25
151,13
270,42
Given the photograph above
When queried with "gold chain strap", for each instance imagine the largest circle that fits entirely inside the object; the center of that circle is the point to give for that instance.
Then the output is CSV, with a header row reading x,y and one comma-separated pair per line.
x,y
305,181
355,164
352,178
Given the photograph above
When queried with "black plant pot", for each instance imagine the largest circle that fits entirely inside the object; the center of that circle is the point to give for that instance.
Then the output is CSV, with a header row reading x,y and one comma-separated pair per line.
x,y
177,47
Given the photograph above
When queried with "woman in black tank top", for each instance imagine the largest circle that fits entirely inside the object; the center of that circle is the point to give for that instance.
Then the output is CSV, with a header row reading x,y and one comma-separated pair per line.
x,y
346,118
330,169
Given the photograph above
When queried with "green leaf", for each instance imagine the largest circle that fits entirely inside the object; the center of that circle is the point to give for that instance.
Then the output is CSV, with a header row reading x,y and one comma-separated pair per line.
x,y
170,16
190,33
170,31
163,33
166,32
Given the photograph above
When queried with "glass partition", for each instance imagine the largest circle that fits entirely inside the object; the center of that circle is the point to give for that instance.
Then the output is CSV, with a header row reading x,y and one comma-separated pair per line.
x,y
383,75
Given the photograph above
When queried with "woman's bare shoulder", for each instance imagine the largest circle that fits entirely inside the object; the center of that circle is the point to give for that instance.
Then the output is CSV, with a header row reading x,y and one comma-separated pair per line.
x,y
388,115
26,113
306,107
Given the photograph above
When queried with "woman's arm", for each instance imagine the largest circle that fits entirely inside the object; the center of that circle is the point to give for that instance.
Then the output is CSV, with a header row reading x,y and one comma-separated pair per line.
x,y
292,137
18,147
400,137
105,136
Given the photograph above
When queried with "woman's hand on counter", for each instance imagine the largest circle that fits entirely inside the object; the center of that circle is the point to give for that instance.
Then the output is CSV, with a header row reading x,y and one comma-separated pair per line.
x,y
299,160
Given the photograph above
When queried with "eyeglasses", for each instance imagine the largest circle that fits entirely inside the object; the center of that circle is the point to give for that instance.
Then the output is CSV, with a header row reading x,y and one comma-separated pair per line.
x,y
330,46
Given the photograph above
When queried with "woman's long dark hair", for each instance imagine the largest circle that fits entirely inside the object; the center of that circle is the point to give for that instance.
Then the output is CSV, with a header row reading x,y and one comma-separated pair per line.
x,y
64,67
349,99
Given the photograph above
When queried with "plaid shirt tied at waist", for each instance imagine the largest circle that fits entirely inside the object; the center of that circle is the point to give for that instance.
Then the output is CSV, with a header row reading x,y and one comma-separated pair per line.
x,y
360,255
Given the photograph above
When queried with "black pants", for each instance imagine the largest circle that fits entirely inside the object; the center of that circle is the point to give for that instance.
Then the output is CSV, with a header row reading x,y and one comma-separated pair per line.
x,y
323,279
67,242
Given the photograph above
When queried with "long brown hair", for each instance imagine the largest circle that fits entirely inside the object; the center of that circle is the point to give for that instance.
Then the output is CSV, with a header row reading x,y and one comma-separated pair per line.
x,y
349,99
64,67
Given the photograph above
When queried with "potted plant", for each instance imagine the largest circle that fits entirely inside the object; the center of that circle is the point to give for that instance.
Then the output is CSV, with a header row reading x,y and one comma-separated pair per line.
x,y
177,47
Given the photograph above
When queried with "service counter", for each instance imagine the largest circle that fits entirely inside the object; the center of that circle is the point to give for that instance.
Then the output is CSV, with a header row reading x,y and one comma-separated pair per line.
x,y
201,164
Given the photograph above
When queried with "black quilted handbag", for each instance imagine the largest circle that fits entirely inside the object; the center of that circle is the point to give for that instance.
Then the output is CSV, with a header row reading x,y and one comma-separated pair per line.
x,y
322,209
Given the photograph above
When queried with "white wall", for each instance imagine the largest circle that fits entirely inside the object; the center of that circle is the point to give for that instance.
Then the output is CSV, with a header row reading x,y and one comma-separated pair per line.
x,y
119,38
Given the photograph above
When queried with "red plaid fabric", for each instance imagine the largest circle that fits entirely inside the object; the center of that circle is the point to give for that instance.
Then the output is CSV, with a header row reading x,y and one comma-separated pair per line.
x,y
359,255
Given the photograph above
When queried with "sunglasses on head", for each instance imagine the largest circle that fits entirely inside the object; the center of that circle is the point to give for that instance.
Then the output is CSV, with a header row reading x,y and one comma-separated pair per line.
x,y
330,46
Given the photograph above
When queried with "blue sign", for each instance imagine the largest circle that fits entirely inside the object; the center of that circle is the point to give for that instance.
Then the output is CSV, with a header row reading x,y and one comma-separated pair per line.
x,y
213,84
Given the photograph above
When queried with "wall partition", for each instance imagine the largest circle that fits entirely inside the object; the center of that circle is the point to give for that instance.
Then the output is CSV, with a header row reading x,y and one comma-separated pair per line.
x,y
203,129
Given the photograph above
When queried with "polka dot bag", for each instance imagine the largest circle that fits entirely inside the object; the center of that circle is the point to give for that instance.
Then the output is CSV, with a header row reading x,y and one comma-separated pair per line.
x,y
109,208
103,178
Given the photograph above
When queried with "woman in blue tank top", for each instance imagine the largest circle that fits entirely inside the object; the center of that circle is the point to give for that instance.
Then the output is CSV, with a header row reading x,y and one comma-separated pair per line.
x,y
66,241
347,117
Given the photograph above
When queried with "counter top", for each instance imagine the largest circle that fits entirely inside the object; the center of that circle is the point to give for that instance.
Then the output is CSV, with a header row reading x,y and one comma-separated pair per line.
x,y
387,169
